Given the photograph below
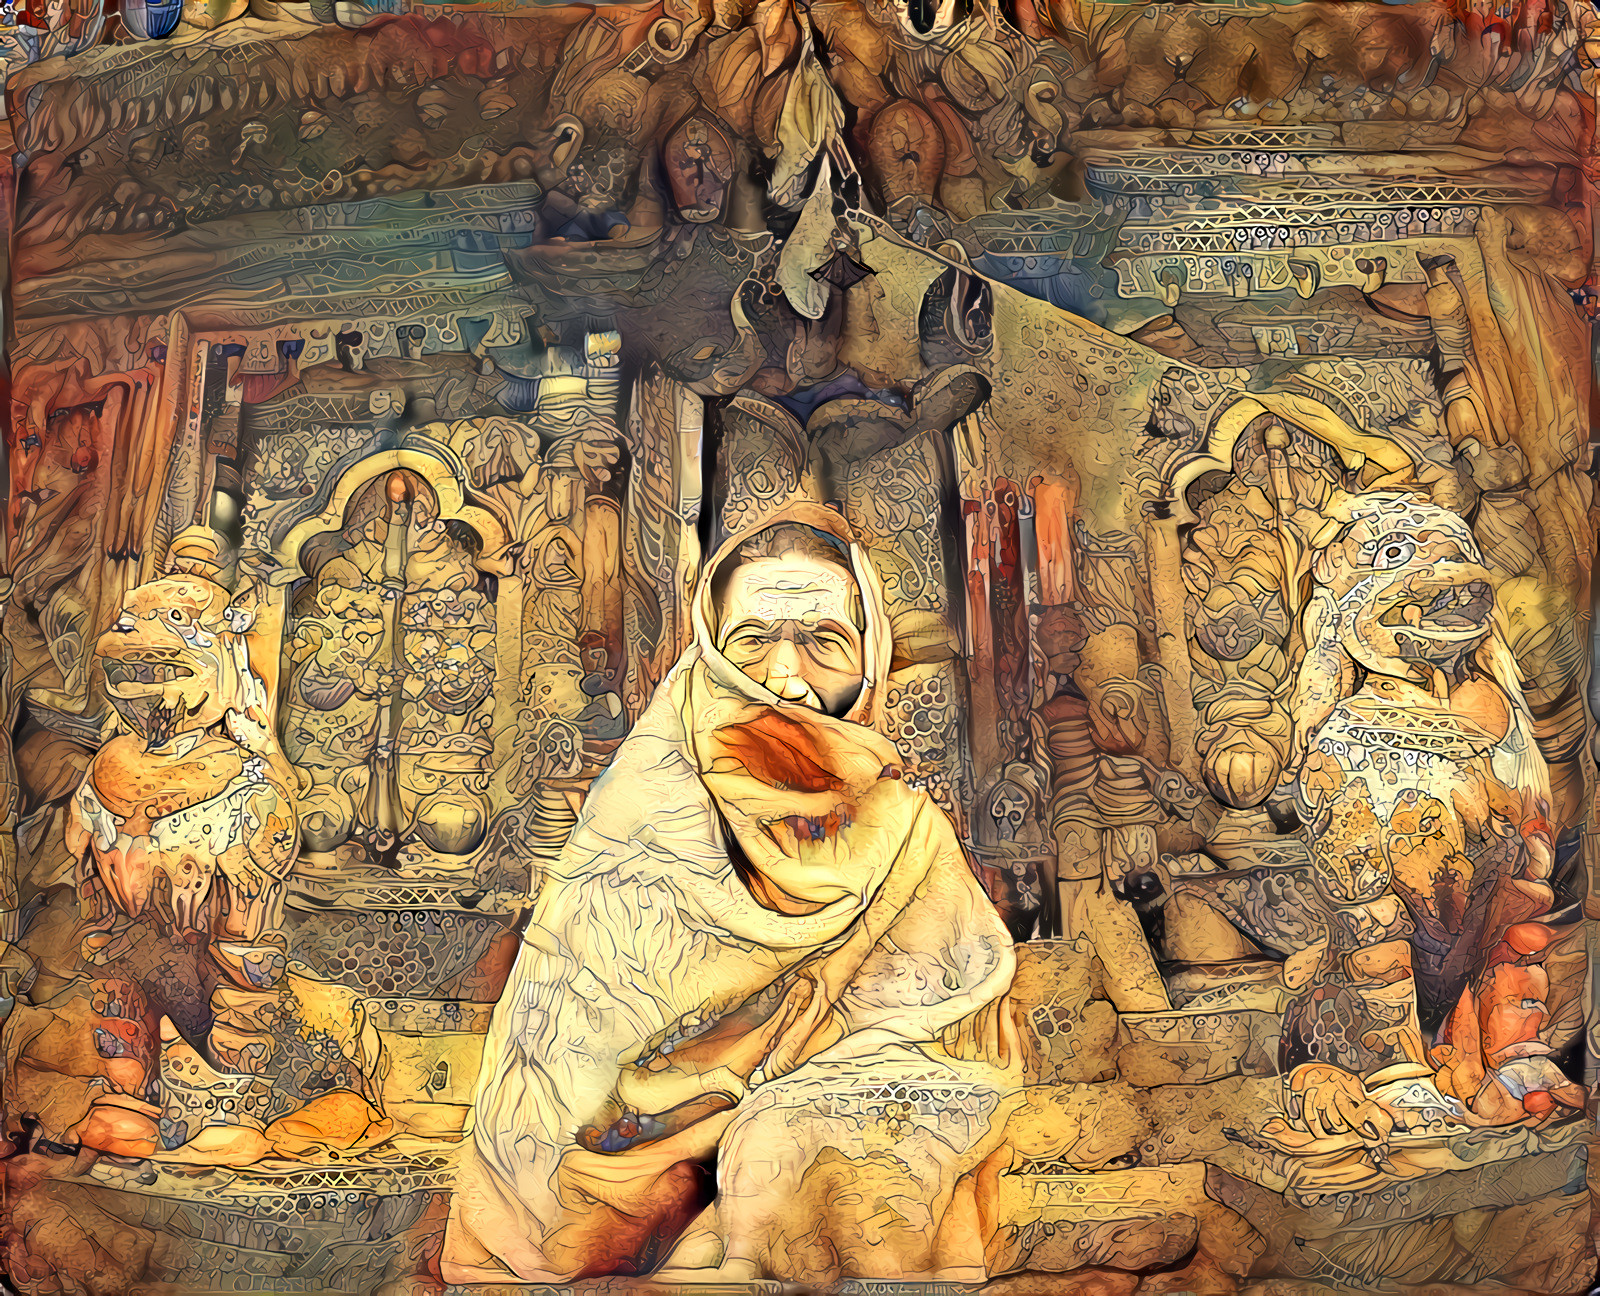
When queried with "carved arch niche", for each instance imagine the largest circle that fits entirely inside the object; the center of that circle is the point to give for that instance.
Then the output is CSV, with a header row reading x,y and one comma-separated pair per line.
x,y
393,663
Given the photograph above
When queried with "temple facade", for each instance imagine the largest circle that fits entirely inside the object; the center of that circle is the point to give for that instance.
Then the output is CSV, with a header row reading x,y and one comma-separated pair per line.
x,y
1191,373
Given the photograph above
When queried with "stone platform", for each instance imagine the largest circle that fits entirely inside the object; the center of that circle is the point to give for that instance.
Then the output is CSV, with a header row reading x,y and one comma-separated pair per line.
x,y
1136,1155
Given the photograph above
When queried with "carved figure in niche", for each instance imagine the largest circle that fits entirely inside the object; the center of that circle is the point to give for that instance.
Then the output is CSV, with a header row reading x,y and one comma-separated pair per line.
x,y
1427,803
816,987
700,165
392,681
185,827
1010,846
1243,567
554,476
1011,808
1111,797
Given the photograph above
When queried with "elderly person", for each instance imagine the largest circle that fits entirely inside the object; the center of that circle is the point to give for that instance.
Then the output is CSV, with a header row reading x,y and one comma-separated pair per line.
x,y
762,945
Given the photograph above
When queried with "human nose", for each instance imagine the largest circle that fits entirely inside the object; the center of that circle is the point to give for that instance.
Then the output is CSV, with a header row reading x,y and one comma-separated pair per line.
x,y
783,671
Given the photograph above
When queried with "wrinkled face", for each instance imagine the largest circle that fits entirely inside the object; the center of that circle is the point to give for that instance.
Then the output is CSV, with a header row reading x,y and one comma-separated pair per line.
x,y
164,657
1410,585
789,623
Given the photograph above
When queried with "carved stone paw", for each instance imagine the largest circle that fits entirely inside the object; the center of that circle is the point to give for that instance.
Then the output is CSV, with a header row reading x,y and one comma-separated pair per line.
x,y
1334,1101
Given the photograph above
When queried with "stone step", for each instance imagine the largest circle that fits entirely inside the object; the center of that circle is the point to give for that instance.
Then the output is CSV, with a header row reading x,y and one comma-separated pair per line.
x,y
1113,1133
1111,1176
646,1287
1081,1128
360,1227
1080,1037
433,1047
1196,1047
416,953
434,1050
409,934
458,891
1518,1201
1133,1220
296,1233
352,1228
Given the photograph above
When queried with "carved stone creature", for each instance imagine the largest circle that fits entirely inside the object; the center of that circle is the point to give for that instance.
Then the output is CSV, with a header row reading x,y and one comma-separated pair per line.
x,y
1427,800
189,811
186,825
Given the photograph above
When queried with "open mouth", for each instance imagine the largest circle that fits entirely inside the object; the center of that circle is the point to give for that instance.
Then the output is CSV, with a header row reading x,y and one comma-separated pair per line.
x,y
1459,607
157,720
143,670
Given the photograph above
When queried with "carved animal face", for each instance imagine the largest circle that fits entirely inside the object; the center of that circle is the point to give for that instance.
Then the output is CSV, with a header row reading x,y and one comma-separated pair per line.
x,y
1409,583
1008,806
173,658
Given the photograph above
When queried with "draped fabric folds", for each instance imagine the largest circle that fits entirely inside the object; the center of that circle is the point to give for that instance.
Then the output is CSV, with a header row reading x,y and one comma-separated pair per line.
x,y
843,1041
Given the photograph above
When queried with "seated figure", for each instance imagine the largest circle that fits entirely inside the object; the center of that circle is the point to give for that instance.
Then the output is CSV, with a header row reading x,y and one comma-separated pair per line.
x,y
1425,969
184,829
761,945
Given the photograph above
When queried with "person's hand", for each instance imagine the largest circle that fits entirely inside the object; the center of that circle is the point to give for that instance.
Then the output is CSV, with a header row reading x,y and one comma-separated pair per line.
x,y
1333,1101
809,1026
751,1040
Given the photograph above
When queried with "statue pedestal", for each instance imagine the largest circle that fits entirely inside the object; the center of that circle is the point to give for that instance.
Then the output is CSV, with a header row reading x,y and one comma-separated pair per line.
x,y
1134,1155
1520,1220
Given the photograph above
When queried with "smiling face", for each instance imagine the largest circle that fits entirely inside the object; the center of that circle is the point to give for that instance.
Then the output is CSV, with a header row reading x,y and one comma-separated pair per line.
x,y
789,623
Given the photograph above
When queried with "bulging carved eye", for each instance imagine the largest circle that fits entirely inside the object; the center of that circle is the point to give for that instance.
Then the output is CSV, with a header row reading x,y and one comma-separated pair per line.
x,y
1393,551
175,615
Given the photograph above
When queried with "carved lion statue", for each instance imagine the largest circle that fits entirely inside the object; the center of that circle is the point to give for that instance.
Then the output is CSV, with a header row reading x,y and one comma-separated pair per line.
x,y
189,810
185,829
1426,801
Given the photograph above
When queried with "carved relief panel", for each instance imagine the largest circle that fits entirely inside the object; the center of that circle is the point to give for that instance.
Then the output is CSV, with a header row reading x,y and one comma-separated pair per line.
x,y
391,674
